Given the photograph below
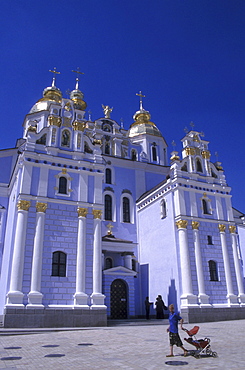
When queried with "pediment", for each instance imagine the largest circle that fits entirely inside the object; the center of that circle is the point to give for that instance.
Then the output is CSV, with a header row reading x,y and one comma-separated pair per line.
x,y
119,270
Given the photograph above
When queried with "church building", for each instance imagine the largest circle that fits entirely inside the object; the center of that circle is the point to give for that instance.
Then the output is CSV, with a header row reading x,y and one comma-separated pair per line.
x,y
94,218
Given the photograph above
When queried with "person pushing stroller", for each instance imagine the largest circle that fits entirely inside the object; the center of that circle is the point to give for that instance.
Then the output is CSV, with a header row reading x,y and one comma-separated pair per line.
x,y
174,337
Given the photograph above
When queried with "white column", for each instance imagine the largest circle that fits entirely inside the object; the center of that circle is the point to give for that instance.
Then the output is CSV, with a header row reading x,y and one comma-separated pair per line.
x,y
80,298
35,296
187,298
97,296
231,297
15,295
237,263
202,296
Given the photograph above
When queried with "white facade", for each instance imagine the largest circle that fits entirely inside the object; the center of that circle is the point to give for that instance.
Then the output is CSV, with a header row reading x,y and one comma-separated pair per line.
x,y
93,220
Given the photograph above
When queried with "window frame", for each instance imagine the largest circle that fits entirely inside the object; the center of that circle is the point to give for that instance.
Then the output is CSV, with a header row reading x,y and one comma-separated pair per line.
x,y
59,264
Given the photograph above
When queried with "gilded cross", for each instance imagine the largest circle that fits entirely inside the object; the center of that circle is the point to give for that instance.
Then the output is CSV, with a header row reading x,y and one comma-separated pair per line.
x,y
55,73
78,72
141,101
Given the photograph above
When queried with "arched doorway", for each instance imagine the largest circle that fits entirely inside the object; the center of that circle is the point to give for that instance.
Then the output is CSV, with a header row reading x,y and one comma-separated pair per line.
x,y
119,300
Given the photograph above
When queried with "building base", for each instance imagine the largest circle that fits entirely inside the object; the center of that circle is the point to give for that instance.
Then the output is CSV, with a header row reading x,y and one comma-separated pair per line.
x,y
210,314
53,318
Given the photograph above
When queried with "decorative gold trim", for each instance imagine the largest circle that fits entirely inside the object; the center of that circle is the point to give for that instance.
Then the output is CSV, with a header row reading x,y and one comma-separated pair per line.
x,y
79,126
195,225
41,207
206,154
232,229
23,205
97,213
82,212
221,228
97,142
64,171
32,129
190,151
54,121
181,224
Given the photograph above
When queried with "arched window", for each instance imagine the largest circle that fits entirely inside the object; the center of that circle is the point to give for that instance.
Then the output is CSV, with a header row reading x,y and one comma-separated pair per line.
x,y
154,153
63,185
210,241
108,263
108,176
108,207
133,155
213,271
126,209
42,140
199,165
184,167
205,207
59,264
163,208
65,141
87,148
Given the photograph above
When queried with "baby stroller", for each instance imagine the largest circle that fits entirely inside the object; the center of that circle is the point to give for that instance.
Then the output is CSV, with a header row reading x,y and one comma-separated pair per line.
x,y
202,345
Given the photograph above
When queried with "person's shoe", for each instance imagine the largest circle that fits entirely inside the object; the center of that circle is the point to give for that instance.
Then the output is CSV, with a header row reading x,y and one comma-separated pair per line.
x,y
169,355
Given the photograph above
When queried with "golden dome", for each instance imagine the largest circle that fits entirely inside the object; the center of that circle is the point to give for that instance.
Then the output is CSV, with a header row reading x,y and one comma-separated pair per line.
x,y
77,97
143,125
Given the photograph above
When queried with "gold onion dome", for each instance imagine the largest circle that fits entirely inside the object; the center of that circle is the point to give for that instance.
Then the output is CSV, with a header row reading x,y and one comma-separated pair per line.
x,y
143,125
50,94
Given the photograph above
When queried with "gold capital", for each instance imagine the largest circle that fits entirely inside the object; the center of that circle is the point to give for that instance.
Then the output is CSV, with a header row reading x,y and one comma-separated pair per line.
x,y
195,225
41,207
221,228
190,151
97,213
181,224
54,121
232,229
206,154
23,205
79,126
82,212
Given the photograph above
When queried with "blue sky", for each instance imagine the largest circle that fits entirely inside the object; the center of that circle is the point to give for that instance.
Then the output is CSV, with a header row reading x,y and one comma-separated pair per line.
x,y
187,57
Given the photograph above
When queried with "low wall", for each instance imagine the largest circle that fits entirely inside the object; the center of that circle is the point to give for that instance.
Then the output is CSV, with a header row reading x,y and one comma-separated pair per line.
x,y
197,315
53,318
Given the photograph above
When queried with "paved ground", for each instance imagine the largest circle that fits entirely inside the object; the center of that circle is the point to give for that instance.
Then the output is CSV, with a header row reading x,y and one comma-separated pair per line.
x,y
141,345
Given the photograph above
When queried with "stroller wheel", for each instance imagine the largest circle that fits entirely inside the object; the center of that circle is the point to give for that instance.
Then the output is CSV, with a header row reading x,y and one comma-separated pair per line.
x,y
197,356
209,352
214,354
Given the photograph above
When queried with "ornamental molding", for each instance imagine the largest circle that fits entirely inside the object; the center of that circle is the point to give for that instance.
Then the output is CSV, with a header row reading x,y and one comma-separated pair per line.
x,y
232,229
190,151
206,154
195,225
23,205
41,207
181,224
97,213
222,228
82,212
54,121
79,126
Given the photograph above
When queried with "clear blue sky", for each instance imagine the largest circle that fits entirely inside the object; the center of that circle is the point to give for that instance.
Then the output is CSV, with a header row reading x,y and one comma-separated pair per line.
x,y
187,57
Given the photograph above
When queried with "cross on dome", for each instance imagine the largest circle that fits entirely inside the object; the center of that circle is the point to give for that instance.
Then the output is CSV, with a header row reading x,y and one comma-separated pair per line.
x,y
54,77
77,78
141,101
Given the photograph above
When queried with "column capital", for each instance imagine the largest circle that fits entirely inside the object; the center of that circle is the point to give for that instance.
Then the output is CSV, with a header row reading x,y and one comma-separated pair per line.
x,y
23,205
232,229
221,228
97,213
41,207
181,224
82,212
195,225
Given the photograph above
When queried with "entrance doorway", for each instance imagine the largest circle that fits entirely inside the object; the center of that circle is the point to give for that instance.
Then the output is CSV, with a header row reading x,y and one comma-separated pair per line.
x,y
119,301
